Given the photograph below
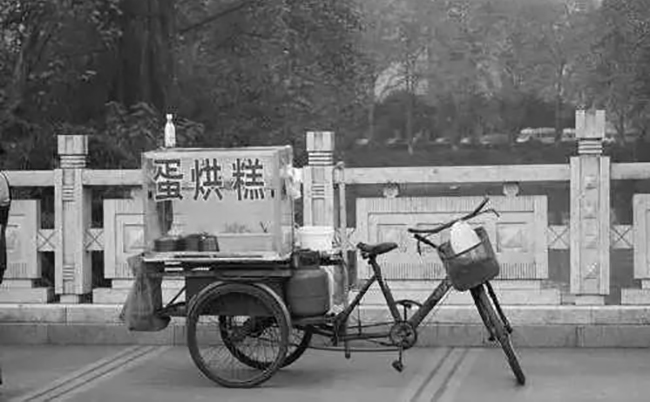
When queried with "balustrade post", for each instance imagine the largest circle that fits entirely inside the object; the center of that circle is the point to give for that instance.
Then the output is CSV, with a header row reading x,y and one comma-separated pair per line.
x,y
590,211
73,270
318,180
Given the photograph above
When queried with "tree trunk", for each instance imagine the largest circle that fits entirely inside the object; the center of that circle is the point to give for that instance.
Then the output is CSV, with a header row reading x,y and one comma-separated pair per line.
x,y
409,123
146,65
620,126
558,104
34,40
410,92
371,109
371,120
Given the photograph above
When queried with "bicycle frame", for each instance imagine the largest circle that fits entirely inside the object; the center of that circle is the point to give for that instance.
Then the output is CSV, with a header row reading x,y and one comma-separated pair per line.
x,y
415,320
340,320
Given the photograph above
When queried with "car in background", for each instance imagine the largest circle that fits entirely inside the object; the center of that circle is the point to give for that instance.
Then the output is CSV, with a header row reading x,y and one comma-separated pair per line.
x,y
467,141
442,141
568,135
544,135
524,136
610,138
494,139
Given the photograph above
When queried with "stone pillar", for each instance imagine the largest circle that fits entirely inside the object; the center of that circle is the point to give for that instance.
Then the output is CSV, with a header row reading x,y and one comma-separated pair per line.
x,y
590,211
73,270
318,180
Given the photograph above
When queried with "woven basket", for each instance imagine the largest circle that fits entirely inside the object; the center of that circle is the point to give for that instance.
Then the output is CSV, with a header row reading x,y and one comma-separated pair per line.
x,y
472,267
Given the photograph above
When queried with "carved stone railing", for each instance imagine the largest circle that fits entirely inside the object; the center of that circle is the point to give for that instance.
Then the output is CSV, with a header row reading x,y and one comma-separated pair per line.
x,y
523,237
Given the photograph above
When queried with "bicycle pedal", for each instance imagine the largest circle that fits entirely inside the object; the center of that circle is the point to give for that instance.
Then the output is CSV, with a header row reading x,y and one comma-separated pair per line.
x,y
397,365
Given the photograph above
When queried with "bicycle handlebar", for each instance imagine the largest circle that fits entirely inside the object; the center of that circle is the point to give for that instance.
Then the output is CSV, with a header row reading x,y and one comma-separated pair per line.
x,y
477,211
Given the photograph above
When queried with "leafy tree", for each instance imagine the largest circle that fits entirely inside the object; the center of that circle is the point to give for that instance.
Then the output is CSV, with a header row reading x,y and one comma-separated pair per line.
x,y
44,72
619,70
250,71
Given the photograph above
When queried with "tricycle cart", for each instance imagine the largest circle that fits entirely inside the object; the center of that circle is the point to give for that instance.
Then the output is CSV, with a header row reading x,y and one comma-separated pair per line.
x,y
239,263
240,329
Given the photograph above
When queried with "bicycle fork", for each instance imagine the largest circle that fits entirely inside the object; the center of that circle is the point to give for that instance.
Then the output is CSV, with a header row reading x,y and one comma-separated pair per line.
x,y
497,305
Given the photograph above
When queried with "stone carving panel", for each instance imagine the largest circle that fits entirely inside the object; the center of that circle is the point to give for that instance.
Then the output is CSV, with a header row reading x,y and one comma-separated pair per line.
x,y
622,237
393,233
519,236
123,235
512,237
126,241
558,237
641,228
133,235
22,240
118,215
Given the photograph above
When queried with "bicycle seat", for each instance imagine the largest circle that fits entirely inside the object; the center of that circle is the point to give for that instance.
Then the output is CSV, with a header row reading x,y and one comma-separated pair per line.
x,y
373,250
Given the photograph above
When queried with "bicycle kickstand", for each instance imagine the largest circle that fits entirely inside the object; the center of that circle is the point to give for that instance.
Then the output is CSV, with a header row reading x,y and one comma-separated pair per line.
x,y
398,364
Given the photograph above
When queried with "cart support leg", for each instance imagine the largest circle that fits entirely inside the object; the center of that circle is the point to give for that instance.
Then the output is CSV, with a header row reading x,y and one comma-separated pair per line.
x,y
399,363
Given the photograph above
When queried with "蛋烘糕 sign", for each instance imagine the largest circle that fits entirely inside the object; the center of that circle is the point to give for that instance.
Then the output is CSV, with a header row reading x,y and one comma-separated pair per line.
x,y
219,202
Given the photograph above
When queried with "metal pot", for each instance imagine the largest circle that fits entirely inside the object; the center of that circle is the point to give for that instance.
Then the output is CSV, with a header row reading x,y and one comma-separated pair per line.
x,y
209,243
166,244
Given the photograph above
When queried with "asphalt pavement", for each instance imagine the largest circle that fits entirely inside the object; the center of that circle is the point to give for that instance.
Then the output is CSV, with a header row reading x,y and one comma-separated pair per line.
x,y
164,373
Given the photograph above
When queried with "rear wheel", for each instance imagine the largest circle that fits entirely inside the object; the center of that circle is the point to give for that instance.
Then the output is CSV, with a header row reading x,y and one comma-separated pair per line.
x,y
237,334
299,340
495,327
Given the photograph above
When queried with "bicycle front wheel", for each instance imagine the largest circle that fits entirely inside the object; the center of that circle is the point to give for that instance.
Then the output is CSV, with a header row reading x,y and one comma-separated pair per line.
x,y
495,327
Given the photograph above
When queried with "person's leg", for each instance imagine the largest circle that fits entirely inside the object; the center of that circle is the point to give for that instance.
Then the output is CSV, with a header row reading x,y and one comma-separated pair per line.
x,y
4,217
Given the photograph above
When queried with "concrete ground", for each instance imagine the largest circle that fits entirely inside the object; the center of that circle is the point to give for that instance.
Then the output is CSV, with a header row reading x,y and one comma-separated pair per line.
x,y
166,373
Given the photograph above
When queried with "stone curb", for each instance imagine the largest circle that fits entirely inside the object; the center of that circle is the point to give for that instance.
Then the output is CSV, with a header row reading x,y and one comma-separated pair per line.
x,y
518,315
535,326
460,335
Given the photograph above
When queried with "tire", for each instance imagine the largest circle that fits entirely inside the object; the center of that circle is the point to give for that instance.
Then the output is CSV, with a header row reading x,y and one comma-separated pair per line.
x,y
495,326
270,313
299,341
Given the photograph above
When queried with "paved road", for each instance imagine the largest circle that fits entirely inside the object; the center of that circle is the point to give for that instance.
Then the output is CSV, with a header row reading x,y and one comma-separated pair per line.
x,y
161,373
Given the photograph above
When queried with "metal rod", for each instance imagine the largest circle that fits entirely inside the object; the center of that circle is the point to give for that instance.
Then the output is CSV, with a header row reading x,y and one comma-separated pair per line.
x,y
343,227
341,349
366,336
176,297
378,324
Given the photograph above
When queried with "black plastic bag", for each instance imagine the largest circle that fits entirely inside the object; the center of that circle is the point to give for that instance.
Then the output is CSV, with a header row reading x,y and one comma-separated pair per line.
x,y
140,311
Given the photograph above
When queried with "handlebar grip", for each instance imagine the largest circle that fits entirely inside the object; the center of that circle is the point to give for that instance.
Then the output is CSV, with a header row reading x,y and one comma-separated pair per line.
x,y
426,231
424,240
414,231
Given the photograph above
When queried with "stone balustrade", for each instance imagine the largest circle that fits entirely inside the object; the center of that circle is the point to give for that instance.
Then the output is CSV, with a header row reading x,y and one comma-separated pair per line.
x,y
527,245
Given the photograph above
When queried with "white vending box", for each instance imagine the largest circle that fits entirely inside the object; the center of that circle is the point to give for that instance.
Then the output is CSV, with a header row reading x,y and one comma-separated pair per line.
x,y
219,203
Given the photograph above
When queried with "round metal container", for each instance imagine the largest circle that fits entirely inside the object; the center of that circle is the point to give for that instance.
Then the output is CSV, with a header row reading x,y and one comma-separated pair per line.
x,y
209,243
167,243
